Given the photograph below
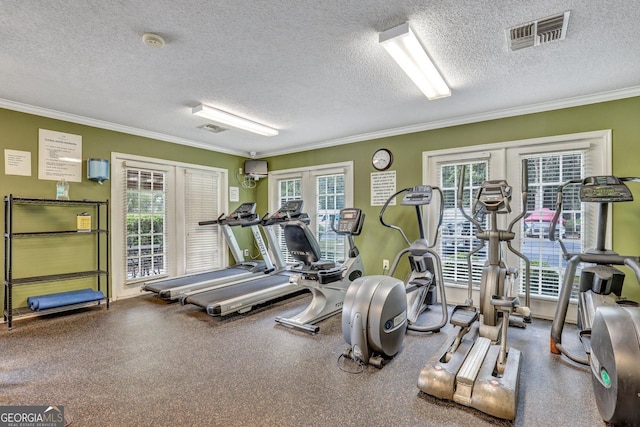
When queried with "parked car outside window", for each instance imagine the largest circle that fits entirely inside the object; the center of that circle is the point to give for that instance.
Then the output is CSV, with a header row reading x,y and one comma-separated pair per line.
x,y
541,230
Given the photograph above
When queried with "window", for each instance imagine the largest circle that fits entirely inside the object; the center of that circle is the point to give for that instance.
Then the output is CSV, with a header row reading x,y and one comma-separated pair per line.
x,y
288,189
457,233
546,172
145,218
330,199
156,210
552,161
325,190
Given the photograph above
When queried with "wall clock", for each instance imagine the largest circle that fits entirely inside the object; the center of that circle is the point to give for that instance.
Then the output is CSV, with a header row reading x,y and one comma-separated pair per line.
x,y
382,159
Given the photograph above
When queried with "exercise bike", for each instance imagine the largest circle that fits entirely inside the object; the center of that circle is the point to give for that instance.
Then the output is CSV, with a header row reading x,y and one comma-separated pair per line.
x,y
476,368
608,324
379,309
327,281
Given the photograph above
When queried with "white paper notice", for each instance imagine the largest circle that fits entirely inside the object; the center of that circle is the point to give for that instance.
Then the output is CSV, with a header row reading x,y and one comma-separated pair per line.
x,y
383,185
59,156
234,194
17,162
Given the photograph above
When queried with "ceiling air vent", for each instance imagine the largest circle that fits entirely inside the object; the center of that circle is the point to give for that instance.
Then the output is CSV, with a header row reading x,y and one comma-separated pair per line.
x,y
538,32
212,128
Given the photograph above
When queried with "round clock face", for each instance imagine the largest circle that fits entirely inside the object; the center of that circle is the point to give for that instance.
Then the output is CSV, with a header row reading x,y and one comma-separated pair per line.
x,y
382,159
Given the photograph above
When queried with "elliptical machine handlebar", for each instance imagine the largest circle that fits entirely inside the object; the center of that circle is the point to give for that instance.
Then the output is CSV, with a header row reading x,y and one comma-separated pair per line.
x,y
524,180
459,200
634,264
407,200
524,190
395,227
552,228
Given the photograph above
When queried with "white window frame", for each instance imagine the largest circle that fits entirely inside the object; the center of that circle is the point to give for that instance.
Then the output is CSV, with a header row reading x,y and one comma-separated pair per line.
x,y
503,153
308,176
175,202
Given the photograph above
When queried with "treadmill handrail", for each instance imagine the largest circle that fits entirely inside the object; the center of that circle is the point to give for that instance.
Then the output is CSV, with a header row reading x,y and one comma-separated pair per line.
x,y
212,221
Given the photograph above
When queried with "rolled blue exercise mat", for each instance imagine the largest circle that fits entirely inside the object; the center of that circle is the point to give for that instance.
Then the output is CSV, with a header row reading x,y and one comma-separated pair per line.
x,y
44,302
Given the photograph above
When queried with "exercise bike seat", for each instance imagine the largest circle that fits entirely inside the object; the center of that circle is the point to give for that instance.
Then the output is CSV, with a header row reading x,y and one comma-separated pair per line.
x,y
304,247
463,315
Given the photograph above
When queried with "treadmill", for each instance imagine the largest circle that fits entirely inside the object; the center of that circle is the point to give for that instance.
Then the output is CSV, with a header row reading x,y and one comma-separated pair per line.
x,y
241,297
243,216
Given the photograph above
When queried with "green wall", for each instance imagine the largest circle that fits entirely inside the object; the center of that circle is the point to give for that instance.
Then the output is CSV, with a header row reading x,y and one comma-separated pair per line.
x,y
19,131
377,242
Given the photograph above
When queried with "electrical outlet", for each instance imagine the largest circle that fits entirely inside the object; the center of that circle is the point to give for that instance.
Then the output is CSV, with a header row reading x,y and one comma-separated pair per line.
x,y
385,264
239,171
246,252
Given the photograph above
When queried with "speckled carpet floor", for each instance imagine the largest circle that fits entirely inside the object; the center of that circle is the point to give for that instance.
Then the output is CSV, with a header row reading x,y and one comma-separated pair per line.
x,y
150,363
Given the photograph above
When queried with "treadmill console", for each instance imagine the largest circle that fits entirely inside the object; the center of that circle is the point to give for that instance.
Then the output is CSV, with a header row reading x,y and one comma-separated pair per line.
x,y
418,195
289,210
240,216
246,209
350,221
604,189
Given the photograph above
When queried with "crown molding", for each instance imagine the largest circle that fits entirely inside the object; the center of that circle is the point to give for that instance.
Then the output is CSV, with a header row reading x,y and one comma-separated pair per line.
x,y
473,118
385,133
88,121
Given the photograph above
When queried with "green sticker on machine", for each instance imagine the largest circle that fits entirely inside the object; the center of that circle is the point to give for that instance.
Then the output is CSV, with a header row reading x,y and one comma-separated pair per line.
x,y
605,378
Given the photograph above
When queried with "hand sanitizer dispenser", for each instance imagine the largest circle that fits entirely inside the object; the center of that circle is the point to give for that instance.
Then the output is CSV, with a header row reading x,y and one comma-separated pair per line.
x,y
98,170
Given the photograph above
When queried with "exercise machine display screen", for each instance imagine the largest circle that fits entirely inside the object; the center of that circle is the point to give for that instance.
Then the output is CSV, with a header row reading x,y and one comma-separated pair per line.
x,y
350,221
494,193
245,209
604,189
291,208
418,195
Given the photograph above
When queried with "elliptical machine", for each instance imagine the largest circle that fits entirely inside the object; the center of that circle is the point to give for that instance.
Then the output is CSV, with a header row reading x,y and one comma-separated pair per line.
x,y
425,278
379,309
479,370
327,281
609,324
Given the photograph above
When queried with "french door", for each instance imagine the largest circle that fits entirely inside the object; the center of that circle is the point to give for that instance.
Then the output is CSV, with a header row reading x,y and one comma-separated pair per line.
x,y
551,161
156,207
325,190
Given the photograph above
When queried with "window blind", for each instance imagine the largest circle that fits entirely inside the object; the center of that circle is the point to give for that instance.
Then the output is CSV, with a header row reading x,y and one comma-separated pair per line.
x,y
202,243
546,172
457,236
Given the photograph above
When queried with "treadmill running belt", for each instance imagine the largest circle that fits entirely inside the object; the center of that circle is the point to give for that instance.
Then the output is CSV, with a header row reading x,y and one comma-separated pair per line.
x,y
203,299
195,278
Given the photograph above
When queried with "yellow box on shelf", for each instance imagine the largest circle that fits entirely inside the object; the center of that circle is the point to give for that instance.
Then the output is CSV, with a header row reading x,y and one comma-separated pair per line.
x,y
84,221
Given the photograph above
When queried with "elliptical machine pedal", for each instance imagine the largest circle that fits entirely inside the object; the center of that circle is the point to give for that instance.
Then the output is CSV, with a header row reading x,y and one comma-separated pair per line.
x,y
463,316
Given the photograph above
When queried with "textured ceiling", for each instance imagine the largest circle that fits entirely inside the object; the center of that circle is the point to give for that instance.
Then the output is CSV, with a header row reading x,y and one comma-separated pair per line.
x,y
311,68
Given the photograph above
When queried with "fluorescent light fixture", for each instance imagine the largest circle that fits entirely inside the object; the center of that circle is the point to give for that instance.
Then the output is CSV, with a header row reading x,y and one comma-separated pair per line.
x,y
405,48
232,120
